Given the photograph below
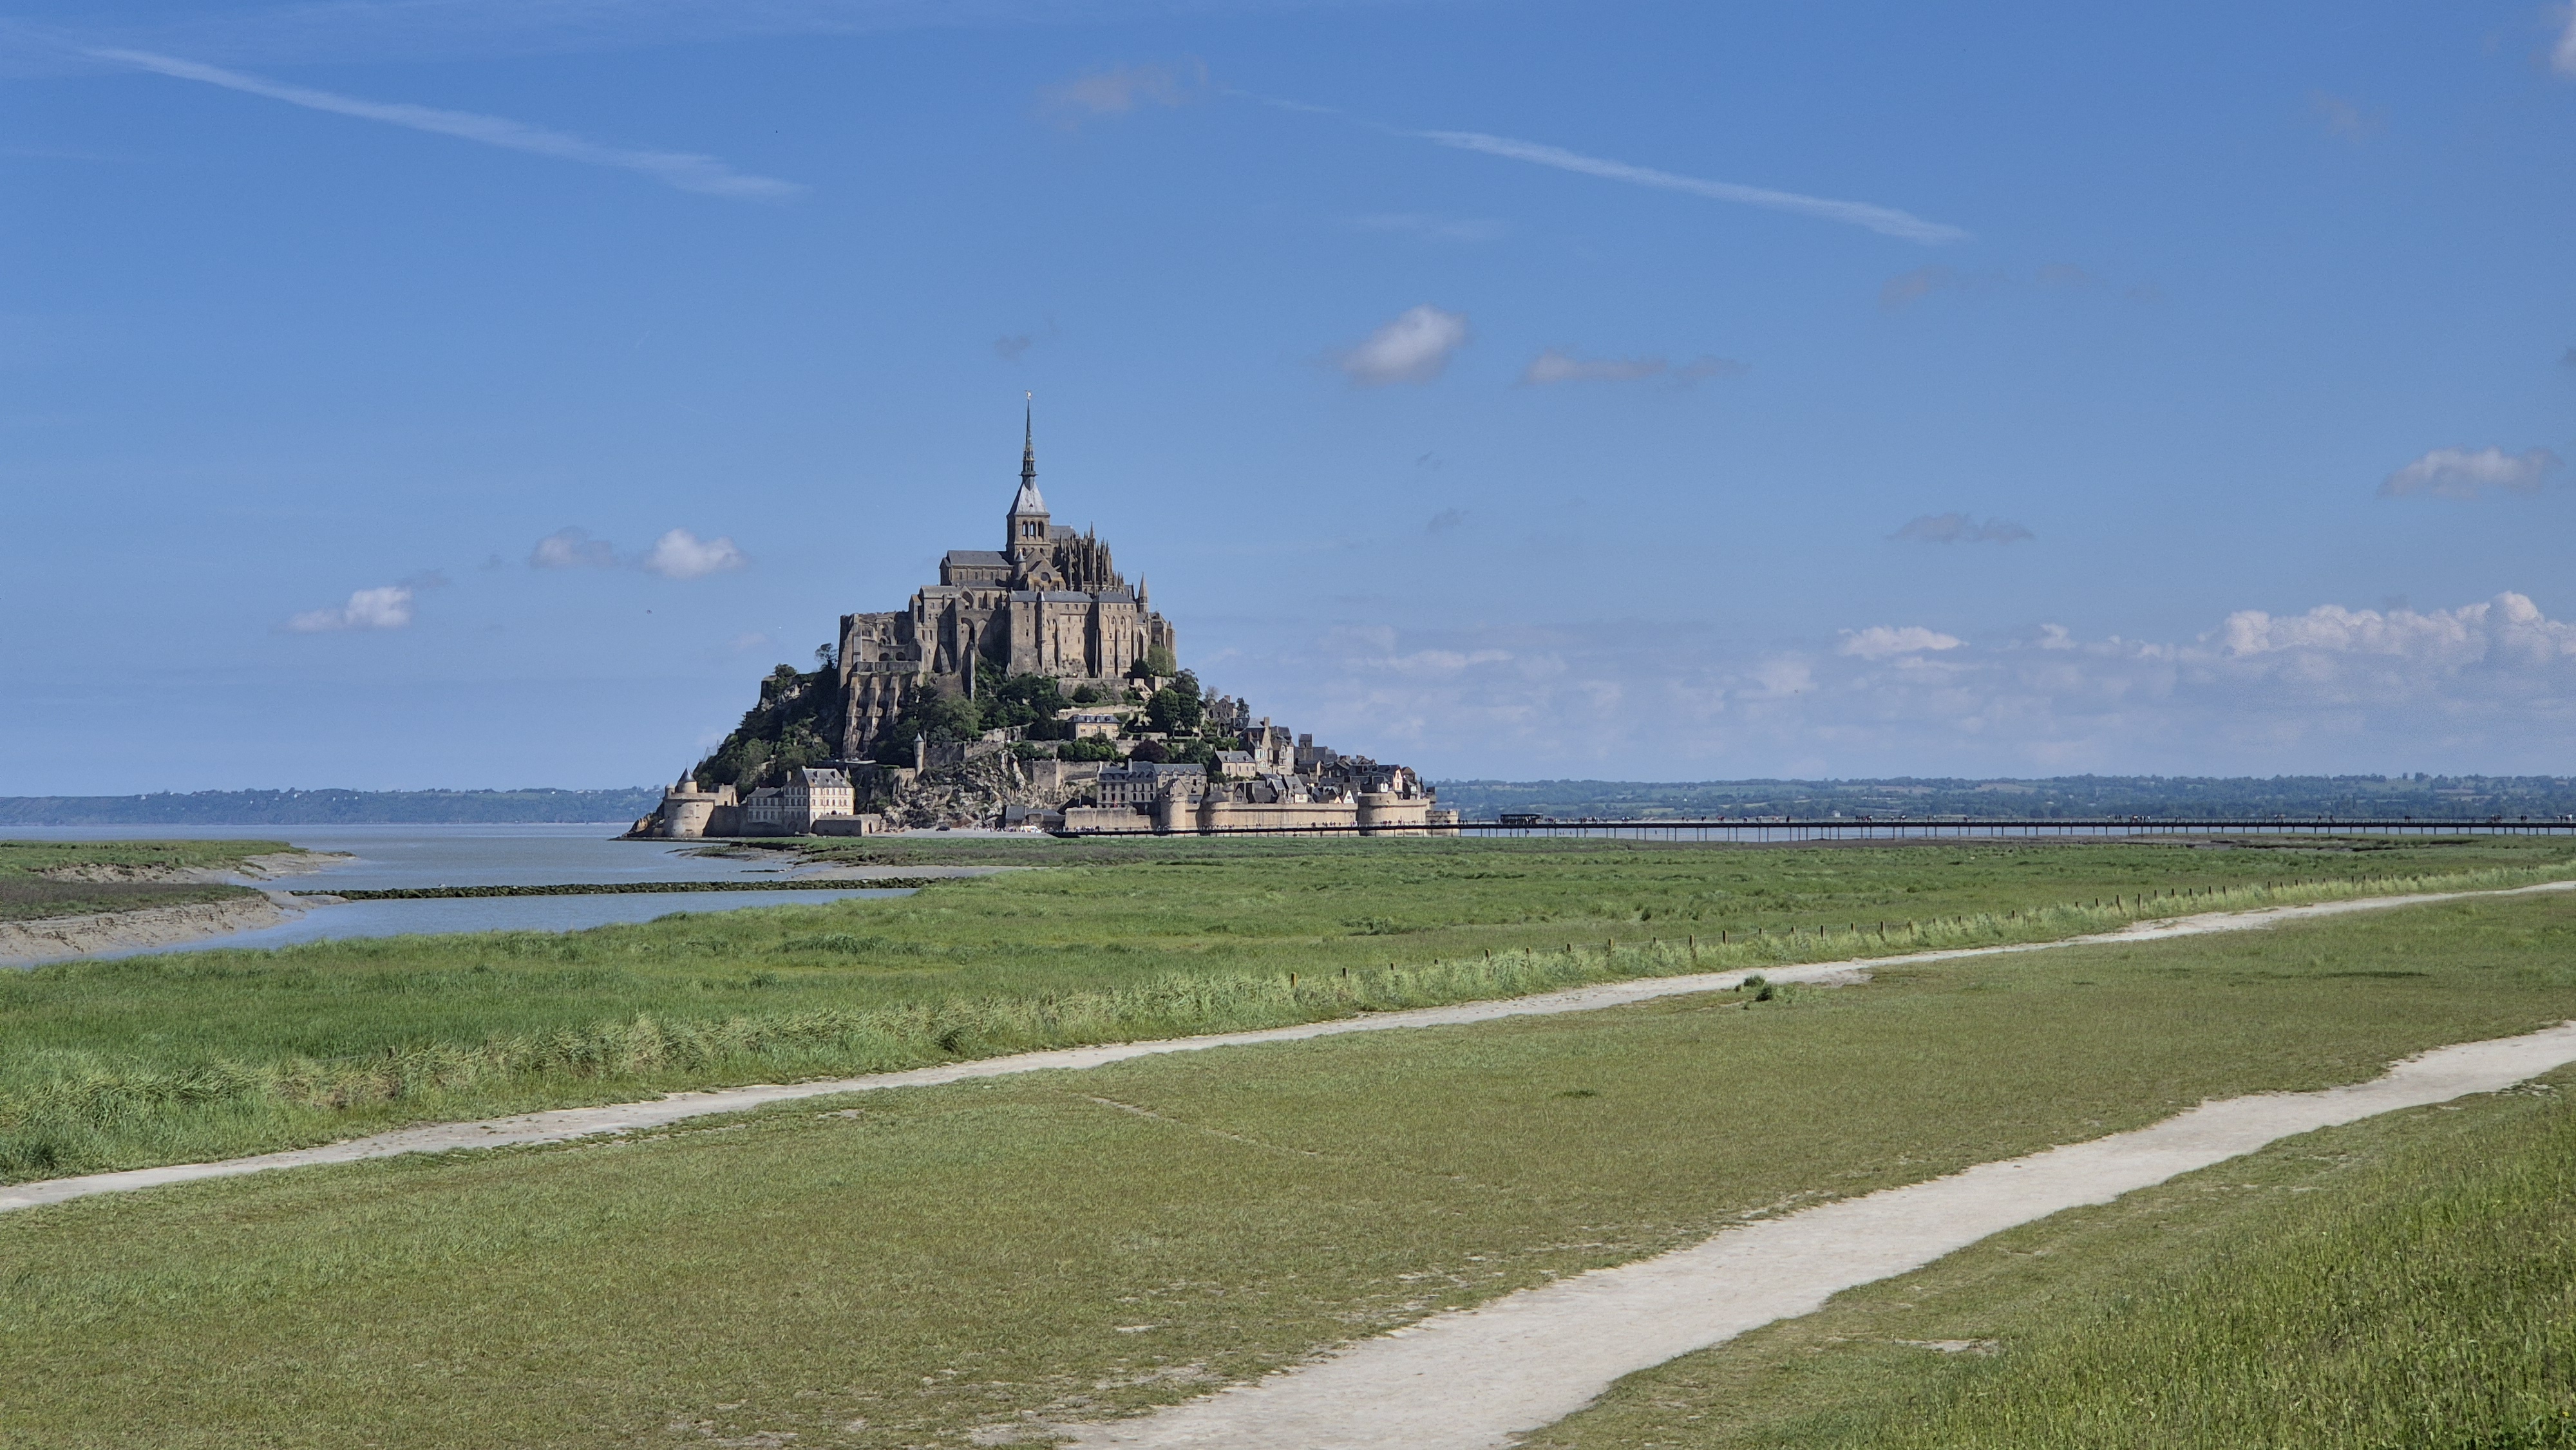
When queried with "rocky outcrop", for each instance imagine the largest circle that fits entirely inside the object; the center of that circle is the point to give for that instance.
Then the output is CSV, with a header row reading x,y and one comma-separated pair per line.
x,y
975,792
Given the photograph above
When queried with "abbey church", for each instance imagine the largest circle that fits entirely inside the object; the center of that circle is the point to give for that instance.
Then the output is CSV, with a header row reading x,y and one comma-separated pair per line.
x,y
1031,687
1049,602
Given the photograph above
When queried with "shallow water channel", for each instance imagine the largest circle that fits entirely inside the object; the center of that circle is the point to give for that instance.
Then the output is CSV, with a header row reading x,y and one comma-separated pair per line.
x,y
389,857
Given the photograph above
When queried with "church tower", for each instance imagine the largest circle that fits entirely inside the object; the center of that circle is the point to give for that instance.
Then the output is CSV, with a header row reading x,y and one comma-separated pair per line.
x,y
1029,542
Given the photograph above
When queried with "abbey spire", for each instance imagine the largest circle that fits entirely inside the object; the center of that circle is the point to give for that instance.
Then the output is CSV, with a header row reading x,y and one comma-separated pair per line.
x,y
1028,440
1027,522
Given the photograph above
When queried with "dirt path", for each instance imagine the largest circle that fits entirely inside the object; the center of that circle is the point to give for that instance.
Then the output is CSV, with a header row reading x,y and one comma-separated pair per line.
x,y
1474,1380
563,1124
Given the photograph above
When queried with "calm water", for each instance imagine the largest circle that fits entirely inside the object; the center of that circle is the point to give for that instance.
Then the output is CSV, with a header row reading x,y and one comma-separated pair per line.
x,y
398,856
395,856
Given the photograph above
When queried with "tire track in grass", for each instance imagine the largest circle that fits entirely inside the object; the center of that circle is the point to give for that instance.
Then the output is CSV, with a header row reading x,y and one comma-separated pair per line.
x,y
565,1124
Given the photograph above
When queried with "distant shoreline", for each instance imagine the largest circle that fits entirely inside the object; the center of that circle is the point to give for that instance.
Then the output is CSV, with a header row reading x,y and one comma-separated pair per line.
x,y
530,807
2420,798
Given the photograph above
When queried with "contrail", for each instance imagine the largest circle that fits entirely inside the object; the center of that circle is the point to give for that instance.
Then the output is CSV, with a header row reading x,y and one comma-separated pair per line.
x,y
682,169
1885,220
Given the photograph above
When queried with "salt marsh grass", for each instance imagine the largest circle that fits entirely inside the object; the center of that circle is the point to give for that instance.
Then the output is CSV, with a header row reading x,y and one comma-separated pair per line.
x,y
146,1060
903,1268
40,879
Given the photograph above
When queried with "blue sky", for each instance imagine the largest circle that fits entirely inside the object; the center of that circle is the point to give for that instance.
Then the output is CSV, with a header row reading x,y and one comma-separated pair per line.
x,y
1524,389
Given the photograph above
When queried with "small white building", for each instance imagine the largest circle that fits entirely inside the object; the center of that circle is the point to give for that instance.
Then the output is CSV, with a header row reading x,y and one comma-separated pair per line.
x,y
812,793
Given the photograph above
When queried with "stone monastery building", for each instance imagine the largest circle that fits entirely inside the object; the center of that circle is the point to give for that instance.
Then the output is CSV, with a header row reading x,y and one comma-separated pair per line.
x,y
1048,602
1133,752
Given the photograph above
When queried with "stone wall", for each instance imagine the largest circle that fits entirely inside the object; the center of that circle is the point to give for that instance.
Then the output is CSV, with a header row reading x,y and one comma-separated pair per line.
x,y
1335,817
1106,820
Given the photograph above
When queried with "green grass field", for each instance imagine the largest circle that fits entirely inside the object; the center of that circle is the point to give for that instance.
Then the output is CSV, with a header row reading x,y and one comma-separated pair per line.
x,y
897,1269
216,1053
2407,1283
41,879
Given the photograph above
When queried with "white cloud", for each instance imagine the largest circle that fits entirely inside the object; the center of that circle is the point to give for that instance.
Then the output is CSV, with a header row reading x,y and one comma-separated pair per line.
x,y
1907,288
1880,641
2343,118
2563,59
2465,473
1119,90
1414,348
685,170
1556,365
1885,220
571,548
1706,366
2487,686
2509,623
1430,228
680,554
1957,528
385,608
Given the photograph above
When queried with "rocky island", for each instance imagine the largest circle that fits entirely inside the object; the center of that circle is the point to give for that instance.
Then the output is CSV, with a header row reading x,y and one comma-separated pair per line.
x,y
1031,687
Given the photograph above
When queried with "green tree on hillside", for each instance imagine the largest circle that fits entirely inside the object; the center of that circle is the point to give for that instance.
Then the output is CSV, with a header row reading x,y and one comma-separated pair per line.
x,y
1177,706
1029,702
797,723
944,719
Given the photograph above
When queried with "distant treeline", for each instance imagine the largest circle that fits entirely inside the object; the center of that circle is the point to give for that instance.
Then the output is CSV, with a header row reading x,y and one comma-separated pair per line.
x,y
330,807
2074,797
